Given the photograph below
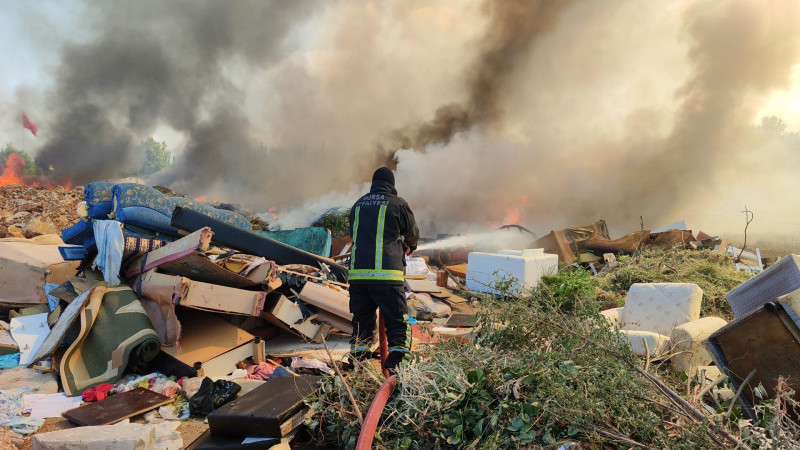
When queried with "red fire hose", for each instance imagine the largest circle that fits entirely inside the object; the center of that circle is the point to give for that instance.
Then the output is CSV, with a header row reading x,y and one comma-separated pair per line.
x,y
374,414
370,424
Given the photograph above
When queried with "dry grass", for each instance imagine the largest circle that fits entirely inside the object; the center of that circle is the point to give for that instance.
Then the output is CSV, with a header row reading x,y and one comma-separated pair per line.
x,y
714,273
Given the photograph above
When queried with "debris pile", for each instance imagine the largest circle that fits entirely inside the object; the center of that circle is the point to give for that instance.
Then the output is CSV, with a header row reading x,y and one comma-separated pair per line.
x,y
28,212
153,311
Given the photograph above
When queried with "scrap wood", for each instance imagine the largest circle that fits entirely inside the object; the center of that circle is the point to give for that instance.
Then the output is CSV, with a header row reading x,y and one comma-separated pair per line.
x,y
249,242
312,277
62,326
117,407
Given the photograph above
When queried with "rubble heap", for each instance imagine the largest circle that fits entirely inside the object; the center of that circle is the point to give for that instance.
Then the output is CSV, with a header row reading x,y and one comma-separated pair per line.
x,y
34,211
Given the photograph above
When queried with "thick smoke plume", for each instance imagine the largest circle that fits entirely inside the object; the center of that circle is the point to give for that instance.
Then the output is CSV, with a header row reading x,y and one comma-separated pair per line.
x,y
550,113
513,29
153,64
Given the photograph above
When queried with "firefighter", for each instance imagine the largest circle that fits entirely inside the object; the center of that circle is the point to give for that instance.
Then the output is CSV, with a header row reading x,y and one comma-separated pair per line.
x,y
383,230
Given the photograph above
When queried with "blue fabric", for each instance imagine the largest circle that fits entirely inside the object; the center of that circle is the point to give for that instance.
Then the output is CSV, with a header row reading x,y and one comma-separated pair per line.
x,y
100,211
97,192
98,199
281,371
76,234
132,231
316,240
52,301
132,195
223,215
110,245
147,218
72,252
9,361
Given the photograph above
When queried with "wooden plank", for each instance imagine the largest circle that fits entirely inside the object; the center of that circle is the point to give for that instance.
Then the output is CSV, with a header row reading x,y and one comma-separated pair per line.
x,y
461,320
198,241
62,326
224,364
199,268
116,407
330,298
212,297
424,285
449,297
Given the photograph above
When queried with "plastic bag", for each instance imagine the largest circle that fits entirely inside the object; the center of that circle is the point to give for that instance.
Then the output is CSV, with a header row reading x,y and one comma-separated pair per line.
x,y
212,395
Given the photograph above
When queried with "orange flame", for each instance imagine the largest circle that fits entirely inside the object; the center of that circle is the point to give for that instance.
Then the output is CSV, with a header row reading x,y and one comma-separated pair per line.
x,y
12,172
512,217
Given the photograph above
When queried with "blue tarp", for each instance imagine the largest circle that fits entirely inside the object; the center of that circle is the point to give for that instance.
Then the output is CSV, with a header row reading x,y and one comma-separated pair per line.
x,y
316,240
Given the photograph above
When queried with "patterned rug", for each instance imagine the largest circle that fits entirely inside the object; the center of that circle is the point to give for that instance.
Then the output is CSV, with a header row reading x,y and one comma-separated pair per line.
x,y
113,324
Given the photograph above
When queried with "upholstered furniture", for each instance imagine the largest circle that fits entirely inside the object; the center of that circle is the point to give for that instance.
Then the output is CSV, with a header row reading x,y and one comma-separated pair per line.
x,y
660,318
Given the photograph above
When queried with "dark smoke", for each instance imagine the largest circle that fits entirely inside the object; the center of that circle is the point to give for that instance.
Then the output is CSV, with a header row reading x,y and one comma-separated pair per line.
x,y
513,30
153,63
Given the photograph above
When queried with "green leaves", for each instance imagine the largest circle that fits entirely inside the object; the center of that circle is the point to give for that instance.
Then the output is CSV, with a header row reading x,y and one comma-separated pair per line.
x,y
157,157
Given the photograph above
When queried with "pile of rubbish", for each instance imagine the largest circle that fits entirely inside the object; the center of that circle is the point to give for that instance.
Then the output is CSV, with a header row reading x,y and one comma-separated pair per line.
x,y
149,311
149,301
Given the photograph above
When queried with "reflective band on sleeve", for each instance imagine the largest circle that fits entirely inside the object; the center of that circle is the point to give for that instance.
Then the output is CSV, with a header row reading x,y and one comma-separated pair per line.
x,y
355,234
379,238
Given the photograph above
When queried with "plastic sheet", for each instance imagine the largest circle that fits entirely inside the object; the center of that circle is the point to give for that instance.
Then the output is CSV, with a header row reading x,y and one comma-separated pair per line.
x,y
9,361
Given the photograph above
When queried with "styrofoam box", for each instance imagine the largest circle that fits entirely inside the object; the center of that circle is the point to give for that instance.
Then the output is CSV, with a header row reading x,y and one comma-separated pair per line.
x,y
527,266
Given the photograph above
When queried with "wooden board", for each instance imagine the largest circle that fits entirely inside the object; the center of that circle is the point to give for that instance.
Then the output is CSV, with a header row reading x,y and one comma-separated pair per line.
x,y
425,285
116,407
461,320
448,296
60,329
213,297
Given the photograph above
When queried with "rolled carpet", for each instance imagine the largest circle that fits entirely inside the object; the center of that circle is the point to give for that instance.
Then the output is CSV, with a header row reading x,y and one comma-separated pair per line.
x,y
113,324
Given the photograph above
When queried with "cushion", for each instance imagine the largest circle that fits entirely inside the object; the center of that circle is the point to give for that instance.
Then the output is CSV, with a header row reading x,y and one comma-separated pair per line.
x,y
660,307
687,342
656,343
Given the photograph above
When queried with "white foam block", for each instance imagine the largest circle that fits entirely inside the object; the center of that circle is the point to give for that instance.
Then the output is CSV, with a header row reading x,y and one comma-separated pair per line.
x,y
527,266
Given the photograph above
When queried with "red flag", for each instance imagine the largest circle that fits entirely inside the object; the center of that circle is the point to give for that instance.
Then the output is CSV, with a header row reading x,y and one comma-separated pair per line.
x,y
26,122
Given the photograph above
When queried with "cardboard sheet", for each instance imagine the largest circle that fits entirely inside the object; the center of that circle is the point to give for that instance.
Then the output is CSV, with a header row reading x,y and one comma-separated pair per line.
x,y
205,336
26,263
29,332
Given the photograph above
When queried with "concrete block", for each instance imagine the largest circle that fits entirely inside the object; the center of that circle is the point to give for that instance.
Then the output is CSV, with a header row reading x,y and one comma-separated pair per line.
x,y
117,437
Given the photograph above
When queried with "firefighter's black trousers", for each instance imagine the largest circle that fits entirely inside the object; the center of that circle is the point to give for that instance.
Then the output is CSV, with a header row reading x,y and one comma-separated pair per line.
x,y
390,299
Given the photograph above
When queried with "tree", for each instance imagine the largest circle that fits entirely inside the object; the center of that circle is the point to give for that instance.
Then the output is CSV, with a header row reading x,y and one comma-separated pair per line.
x,y
157,157
29,169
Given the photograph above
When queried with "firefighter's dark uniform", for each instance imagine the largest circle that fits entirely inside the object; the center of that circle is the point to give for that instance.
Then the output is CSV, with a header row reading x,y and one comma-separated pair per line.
x,y
379,222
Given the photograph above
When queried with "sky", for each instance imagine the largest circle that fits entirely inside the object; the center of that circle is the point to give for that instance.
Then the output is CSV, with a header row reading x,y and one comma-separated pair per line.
x,y
548,114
